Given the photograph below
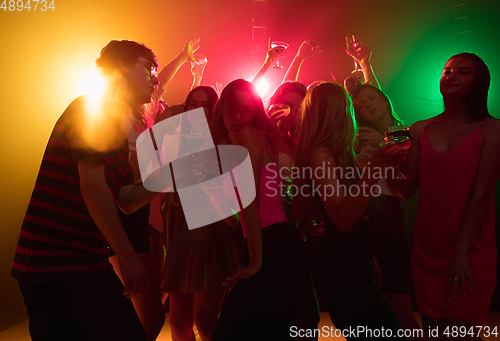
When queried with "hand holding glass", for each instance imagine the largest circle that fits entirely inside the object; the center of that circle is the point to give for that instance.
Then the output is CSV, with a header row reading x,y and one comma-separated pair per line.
x,y
198,65
277,112
400,135
351,46
280,47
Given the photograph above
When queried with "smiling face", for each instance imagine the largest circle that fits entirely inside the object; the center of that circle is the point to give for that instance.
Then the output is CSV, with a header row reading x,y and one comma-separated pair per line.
x,y
371,106
240,115
458,75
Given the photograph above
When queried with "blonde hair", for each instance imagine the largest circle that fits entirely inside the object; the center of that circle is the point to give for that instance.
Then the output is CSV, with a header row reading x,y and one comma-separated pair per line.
x,y
327,122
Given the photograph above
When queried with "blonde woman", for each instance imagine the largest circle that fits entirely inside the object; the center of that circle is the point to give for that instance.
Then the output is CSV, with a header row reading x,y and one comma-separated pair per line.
x,y
326,162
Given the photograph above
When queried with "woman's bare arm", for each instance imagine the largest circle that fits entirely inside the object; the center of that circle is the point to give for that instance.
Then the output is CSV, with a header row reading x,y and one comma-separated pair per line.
x,y
252,140
345,210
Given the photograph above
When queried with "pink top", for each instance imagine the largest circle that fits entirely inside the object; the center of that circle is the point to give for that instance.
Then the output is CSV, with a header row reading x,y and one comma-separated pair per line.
x,y
446,183
271,209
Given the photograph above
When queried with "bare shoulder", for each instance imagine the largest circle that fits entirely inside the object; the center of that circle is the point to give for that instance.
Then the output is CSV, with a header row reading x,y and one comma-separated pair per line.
x,y
492,124
418,128
491,130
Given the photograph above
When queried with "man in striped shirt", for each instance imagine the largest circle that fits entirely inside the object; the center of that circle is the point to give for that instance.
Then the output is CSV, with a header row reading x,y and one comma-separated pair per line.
x,y
61,260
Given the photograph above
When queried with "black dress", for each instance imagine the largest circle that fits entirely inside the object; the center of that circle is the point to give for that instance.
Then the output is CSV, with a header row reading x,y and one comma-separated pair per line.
x,y
343,277
260,308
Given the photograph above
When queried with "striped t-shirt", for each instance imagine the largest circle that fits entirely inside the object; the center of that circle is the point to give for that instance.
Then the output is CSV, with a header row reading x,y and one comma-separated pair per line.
x,y
59,240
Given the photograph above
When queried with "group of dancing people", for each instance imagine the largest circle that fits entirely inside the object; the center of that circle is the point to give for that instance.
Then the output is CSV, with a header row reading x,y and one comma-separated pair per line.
x,y
258,274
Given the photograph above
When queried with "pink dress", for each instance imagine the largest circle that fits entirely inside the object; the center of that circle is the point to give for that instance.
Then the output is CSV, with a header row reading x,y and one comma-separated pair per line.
x,y
446,183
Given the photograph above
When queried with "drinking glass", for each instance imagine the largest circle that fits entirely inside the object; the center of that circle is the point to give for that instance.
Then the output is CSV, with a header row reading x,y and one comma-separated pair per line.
x,y
351,47
190,144
199,63
280,47
400,135
277,112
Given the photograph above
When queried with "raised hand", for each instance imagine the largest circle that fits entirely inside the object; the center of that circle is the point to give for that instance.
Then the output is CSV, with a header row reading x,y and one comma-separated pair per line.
x,y
190,48
273,53
308,49
360,53
198,67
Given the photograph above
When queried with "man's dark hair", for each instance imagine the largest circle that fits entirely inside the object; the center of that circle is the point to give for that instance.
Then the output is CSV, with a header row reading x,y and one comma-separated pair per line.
x,y
125,50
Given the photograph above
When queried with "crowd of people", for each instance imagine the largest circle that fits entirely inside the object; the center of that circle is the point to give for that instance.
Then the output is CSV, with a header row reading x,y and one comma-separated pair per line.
x,y
98,252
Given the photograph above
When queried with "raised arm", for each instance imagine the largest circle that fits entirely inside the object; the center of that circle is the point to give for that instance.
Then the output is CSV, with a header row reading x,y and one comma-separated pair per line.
x,y
271,54
362,55
307,49
168,71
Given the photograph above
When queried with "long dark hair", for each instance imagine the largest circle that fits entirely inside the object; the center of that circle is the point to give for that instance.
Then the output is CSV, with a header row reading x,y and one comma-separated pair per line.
x,y
283,89
476,99
209,91
212,100
228,101
279,94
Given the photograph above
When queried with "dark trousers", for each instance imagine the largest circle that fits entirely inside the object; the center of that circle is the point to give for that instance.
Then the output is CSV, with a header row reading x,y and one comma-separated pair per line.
x,y
91,310
342,275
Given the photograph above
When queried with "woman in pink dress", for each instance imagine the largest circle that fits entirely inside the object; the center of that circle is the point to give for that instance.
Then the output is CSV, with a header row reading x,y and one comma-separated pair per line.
x,y
455,163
